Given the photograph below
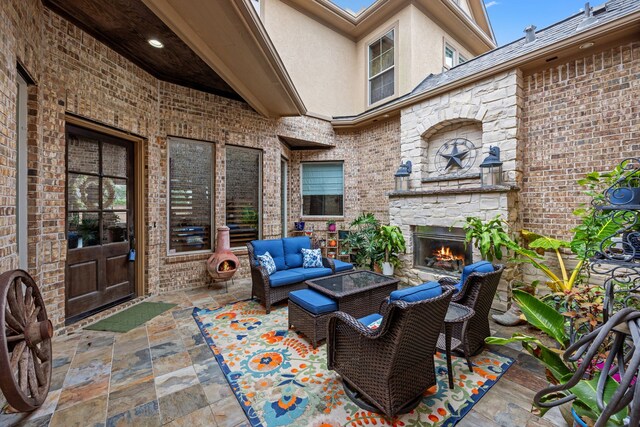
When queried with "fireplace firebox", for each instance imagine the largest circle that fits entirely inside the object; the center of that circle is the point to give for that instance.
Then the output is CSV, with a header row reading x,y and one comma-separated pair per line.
x,y
441,249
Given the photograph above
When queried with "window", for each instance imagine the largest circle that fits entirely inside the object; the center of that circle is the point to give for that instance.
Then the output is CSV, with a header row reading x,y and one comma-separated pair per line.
x,y
244,192
452,57
449,56
381,68
322,189
190,195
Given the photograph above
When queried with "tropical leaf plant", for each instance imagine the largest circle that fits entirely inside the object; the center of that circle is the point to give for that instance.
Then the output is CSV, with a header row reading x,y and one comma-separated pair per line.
x,y
540,315
490,237
391,240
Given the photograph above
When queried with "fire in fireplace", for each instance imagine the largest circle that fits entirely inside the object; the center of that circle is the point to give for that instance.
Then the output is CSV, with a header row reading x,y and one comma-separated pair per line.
x,y
440,248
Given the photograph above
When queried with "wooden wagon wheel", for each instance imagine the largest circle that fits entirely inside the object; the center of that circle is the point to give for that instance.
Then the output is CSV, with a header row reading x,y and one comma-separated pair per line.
x,y
25,342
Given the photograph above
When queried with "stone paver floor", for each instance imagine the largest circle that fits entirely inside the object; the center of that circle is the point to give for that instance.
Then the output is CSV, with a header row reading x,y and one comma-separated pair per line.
x,y
162,373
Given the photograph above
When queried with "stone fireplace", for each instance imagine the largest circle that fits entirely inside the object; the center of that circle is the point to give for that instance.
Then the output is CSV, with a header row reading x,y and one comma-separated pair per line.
x,y
446,138
440,249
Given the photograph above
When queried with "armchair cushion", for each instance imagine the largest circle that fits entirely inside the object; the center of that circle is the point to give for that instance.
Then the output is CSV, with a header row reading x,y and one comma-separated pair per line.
x,y
275,249
311,273
313,301
292,250
311,258
285,277
417,293
267,262
342,266
476,267
371,321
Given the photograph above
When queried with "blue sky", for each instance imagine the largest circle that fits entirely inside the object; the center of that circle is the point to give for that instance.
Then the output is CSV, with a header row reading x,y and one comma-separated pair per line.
x,y
509,17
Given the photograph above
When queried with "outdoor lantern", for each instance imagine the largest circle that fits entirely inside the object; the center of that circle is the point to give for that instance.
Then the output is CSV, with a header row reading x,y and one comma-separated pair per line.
x,y
491,168
402,176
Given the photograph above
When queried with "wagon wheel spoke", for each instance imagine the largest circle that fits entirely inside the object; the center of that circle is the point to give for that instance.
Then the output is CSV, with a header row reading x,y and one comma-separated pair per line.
x,y
14,338
34,316
42,355
16,303
39,368
29,302
11,322
16,355
32,379
23,368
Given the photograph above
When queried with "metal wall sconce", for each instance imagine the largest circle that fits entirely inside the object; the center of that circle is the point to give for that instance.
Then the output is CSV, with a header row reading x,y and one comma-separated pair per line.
x,y
402,176
491,168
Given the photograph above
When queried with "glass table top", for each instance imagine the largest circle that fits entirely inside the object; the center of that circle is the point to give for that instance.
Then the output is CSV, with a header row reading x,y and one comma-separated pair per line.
x,y
351,282
456,312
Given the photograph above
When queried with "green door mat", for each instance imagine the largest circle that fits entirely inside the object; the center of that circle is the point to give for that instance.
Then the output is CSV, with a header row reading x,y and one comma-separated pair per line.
x,y
131,318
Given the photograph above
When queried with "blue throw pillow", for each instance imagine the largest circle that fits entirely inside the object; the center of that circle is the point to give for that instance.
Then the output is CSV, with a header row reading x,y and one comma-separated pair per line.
x,y
267,262
311,258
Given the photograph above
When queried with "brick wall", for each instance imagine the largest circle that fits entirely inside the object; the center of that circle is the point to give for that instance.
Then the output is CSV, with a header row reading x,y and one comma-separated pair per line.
x,y
579,116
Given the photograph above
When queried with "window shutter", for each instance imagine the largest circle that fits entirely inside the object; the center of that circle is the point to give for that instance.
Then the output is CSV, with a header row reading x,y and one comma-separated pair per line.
x,y
320,179
190,174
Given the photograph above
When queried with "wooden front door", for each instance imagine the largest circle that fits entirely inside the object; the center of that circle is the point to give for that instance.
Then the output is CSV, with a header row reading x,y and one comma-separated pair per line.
x,y
100,216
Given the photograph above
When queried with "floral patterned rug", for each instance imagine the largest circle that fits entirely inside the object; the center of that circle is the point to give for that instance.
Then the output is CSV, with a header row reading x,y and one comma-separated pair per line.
x,y
279,379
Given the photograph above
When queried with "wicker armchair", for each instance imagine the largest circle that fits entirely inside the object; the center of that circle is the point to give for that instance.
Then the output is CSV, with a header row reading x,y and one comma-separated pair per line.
x,y
388,369
477,292
261,287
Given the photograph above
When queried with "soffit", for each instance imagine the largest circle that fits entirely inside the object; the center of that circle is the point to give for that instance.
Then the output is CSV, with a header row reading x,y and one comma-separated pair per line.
x,y
445,12
303,144
125,26
230,38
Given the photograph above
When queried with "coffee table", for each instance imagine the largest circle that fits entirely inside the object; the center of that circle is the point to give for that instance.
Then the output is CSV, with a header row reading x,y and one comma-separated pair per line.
x,y
358,292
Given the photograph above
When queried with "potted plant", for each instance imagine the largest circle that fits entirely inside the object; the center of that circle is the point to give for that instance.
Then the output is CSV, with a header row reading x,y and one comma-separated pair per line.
x,y
362,240
391,241
331,226
584,407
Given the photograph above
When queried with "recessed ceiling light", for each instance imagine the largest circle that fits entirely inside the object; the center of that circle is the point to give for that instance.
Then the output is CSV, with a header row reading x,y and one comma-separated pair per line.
x,y
586,45
156,43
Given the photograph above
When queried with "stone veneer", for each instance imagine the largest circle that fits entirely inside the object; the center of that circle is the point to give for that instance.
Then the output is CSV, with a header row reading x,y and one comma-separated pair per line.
x,y
485,113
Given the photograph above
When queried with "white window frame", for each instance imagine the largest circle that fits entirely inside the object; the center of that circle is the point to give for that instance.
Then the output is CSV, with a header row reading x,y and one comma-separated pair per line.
x,y
393,29
173,252
311,217
456,56
22,175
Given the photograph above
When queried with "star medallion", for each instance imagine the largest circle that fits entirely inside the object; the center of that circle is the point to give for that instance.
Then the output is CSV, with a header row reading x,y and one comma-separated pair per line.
x,y
455,157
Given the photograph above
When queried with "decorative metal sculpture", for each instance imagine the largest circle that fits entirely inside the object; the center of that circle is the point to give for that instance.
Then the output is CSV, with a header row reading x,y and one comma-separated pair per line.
x,y
622,359
25,342
618,254
455,156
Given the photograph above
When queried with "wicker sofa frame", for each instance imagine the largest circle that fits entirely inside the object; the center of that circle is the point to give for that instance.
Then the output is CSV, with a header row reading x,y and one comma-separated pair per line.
x,y
477,293
261,287
389,368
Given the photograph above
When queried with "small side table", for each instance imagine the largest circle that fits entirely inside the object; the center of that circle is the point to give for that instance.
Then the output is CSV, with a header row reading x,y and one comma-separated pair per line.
x,y
456,313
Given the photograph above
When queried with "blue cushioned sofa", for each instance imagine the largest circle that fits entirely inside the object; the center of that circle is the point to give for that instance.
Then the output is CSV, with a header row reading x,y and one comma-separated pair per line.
x,y
289,274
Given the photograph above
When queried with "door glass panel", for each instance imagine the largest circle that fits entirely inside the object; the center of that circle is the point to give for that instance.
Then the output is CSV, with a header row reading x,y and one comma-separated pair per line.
x,y
114,194
83,192
114,227
114,160
83,155
83,229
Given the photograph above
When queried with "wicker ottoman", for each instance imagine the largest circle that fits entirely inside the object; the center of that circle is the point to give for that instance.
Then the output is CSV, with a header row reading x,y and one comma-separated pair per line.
x,y
308,313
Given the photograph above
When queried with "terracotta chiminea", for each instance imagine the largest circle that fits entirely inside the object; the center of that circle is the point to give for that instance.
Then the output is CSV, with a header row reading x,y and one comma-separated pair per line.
x,y
222,264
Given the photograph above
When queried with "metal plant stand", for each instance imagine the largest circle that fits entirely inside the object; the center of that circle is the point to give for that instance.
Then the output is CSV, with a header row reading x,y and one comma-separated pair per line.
x,y
618,255
25,342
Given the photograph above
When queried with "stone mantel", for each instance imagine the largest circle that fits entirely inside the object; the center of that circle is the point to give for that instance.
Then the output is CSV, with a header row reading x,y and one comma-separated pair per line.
x,y
452,191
